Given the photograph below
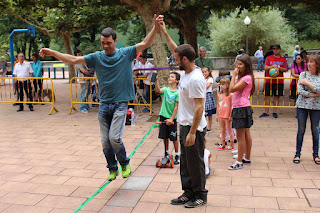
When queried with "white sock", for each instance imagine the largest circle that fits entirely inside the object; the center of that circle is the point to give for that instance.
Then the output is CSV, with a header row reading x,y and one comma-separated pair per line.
x,y
245,159
177,153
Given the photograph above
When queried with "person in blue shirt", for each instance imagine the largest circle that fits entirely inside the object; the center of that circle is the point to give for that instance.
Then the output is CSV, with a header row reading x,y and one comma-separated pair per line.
x,y
114,72
37,72
296,52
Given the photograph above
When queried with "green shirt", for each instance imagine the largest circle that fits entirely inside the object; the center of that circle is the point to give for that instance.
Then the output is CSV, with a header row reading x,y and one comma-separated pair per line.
x,y
168,102
201,62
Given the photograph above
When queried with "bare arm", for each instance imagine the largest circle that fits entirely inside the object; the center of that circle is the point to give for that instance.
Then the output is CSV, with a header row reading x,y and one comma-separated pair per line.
x,y
174,113
147,41
158,89
66,58
171,45
208,85
240,85
294,74
199,106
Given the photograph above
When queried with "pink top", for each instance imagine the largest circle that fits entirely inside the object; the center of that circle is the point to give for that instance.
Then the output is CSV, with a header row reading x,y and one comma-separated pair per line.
x,y
241,98
224,105
298,70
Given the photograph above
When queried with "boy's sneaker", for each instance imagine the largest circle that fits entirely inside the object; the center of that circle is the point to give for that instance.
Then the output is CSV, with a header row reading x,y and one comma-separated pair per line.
x,y
275,115
126,171
235,166
112,175
177,160
195,203
247,162
180,200
221,147
264,115
209,130
84,111
234,151
229,148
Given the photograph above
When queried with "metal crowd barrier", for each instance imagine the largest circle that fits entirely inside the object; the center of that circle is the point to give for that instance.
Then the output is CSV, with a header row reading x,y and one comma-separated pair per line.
x,y
10,89
55,68
257,99
84,84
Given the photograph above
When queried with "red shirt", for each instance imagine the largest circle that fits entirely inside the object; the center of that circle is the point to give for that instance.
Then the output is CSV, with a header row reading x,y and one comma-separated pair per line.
x,y
281,61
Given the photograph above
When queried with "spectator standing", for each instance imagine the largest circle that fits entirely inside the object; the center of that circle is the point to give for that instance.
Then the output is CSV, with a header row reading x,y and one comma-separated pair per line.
x,y
240,53
37,72
3,69
114,72
259,56
279,63
270,52
296,52
297,67
203,60
308,102
23,69
83,71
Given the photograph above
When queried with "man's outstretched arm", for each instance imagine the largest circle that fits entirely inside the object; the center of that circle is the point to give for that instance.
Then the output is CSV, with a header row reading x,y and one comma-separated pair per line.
x,y
66,58
147,41
170,43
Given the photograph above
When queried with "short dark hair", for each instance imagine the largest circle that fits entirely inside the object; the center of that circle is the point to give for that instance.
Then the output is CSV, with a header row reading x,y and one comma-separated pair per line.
x,y
143,56
106,32
176,74
76,52
35,55
186,50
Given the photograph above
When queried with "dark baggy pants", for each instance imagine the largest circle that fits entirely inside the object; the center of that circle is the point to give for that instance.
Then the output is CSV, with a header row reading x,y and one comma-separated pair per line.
x,y
25,86
192,168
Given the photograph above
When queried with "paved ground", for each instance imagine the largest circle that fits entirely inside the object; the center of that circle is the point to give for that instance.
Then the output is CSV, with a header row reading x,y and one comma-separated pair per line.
x,y
54,163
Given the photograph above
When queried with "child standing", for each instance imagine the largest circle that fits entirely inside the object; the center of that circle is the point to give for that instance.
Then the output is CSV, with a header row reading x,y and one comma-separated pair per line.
x,y
224,114
168,114
210,106
242,111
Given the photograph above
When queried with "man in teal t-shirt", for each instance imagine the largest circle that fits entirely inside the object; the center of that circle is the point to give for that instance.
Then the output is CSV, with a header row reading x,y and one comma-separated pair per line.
x,y
114,72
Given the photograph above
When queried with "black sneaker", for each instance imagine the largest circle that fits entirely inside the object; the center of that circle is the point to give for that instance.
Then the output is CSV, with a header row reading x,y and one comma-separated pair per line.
x,y
236,166
195,203
180,200
247,162
177,160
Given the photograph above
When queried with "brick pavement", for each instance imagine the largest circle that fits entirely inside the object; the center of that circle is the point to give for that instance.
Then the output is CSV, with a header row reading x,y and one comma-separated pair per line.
x,y
54,163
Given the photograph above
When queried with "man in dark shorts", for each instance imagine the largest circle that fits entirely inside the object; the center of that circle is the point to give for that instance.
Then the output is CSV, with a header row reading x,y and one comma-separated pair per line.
x,y
274,86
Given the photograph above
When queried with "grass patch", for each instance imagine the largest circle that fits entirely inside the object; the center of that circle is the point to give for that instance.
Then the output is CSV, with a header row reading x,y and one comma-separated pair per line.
x,y
310,44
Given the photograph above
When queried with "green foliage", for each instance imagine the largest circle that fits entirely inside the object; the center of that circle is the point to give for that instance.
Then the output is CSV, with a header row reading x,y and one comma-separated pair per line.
x,y
268,27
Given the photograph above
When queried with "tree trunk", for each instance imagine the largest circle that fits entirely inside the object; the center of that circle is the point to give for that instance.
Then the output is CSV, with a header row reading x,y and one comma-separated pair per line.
x,y
157,48
67,46
189,30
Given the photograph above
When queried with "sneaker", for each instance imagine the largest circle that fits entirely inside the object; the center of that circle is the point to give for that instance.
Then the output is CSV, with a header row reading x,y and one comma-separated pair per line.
x,y
275,115
264,115
229,148
112,175
234,151
221,147
235,156
84,111
235,141
247,162
177,160
236,166
209,130
196,203
180,200
126,171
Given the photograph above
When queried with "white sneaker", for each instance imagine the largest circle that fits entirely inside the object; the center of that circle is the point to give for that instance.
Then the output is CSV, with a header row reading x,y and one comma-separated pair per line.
x,y
234,151
235,156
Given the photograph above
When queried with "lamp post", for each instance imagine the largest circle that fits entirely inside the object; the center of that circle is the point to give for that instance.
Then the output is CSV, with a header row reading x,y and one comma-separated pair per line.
x,y
247,21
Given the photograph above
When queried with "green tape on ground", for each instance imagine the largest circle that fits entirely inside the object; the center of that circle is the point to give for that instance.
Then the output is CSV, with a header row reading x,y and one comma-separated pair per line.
x,y
107,183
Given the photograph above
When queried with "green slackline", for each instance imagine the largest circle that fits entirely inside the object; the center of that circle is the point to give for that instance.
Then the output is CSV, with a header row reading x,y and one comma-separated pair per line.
x,y
107,183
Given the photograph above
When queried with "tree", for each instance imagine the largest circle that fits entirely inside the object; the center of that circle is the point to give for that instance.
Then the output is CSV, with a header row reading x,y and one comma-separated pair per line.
x,y
266,28
146,9
63,17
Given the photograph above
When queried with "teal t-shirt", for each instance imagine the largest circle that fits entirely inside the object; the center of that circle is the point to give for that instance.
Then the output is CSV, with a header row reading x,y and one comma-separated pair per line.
x,y
169,100
114,73
37,68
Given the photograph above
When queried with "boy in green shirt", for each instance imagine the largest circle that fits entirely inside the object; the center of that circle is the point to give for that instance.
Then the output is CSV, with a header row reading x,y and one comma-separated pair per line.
x,y
168,114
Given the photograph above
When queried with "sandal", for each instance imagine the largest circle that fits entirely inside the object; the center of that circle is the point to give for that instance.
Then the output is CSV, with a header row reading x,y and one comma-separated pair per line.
x,y
316,161
297,161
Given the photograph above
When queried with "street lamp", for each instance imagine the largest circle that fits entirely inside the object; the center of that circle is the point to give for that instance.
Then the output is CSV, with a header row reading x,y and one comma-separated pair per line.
x,y
247,21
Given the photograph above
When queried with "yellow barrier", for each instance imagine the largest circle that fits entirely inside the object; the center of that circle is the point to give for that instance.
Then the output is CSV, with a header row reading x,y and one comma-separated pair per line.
x,y
256,101
75,90
9,91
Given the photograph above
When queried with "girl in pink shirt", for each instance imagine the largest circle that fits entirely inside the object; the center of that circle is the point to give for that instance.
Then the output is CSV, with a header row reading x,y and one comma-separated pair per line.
x,y
242,111
224,113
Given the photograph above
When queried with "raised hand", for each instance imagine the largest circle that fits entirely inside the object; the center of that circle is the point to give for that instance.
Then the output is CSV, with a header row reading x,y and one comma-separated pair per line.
x,y
45,52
